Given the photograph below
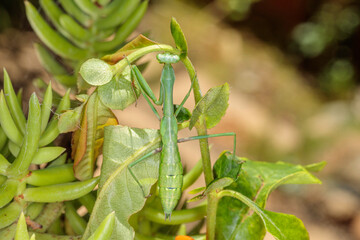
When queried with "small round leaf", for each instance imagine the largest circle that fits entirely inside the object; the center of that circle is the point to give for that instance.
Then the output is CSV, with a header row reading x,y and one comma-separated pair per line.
x,y
96,72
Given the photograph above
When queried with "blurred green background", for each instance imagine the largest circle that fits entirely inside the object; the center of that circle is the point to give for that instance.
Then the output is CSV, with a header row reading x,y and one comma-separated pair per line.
x,y
293,68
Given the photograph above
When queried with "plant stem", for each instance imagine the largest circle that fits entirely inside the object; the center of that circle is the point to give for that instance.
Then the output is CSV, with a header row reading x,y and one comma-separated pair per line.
x,y
177,217
213,201
205,155
201,128
119,67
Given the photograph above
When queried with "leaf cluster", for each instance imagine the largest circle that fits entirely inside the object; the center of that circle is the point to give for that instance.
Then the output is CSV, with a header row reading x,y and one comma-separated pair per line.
x,y
82,30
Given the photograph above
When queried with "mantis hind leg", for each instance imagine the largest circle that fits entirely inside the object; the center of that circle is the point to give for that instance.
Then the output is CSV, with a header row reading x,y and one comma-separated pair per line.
x,y
210,136
138,161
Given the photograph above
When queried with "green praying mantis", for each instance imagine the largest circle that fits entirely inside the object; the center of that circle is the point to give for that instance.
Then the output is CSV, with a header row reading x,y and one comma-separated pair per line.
x,y
170,170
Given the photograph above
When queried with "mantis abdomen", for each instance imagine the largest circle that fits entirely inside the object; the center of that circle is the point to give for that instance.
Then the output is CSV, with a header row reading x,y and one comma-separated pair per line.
x,y
171,171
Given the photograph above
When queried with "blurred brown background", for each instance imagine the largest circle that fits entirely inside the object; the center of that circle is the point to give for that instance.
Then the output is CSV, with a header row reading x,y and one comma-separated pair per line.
x,y
293,70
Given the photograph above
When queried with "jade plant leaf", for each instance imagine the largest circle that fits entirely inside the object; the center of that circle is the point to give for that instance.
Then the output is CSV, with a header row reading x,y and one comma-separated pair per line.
x,y
211,107
120,92
179,37
137,43
118,190
89,136
256,181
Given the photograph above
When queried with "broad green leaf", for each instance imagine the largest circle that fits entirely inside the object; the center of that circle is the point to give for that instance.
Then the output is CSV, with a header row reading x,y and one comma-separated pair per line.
x,y
226,166
284,226
88,138
256,181
211,107
69,121
137,43
179,37
118,190
281,226
120,92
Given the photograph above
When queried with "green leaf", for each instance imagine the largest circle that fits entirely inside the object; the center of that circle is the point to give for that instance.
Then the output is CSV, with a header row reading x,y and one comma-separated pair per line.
x,y
219,184
48,215
82,97
120,92
118,191
284,226
66,80
251,228
197,190
281,226
226,166
211,107
69,121
196,198
179,37
315,167
21,229
104,231
96,72
256,181
139,42
183,115
48,61
88,138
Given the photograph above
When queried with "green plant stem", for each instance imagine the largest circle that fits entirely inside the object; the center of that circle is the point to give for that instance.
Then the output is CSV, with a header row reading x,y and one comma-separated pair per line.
x,y
201,128
205,154
119,67
177,217
213,201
